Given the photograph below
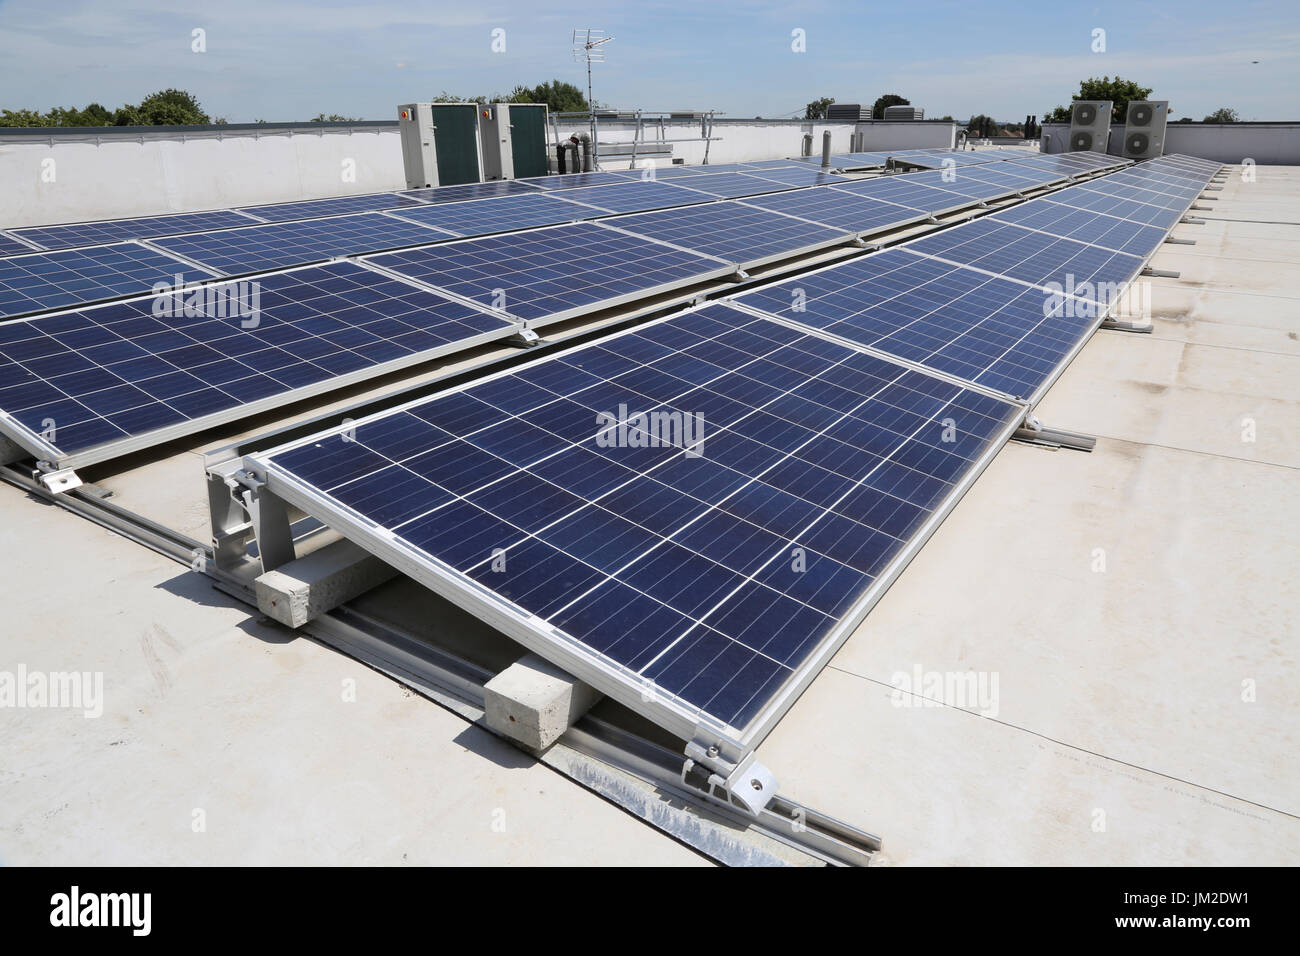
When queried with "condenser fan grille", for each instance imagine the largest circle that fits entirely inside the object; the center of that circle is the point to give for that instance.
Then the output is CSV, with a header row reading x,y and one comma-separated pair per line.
x,y
1085,114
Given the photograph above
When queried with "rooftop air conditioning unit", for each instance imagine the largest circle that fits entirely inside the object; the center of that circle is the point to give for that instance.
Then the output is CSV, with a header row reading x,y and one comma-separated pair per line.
x,y
904,113
1144,129
1090,125
440,144
848,113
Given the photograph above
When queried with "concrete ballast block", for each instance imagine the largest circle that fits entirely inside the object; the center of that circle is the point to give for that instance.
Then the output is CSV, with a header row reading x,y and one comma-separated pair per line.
x,y
533,702
305,588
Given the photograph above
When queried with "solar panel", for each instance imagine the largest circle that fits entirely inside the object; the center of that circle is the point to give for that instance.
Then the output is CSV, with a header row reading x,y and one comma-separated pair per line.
x,y
731,185
74,384
1115,206
703,586
968,187
278,245
1138,194
1001,175
1091,227
797,176
316,208
574,180
988,330
732,231
1033,257
905,192
532,275
636,196
9,246
53,280
464,191
860,214
846,160
482,217
65,236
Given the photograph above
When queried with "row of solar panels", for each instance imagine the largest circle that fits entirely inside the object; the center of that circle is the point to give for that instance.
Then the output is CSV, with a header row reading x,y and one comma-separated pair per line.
x,y
704,582
79,386
756,177
720,180
927,158
38,282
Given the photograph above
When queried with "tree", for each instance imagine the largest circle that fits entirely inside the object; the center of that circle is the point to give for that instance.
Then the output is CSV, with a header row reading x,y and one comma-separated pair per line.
x,y
946,119
1119,91
980,125
334,118
889,99
559,97
1224,114
164,108
172,108
816,110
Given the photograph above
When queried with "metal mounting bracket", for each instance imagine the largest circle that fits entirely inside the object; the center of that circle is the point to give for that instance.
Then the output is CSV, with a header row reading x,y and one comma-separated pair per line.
x,y
1180,242
747,785
740,275
1192,221
269,517
1202,208
1035,432
1119,325
1214,189
1160,273
57,480
526,338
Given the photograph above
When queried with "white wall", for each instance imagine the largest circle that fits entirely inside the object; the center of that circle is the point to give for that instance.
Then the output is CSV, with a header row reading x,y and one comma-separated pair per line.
x,y
908,135
114,176
1269,144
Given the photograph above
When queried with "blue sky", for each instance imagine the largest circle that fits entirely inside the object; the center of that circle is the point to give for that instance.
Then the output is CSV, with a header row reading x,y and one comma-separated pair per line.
x,y
291,60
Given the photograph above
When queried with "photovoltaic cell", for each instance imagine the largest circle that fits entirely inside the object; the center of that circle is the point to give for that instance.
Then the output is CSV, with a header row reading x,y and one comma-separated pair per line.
x,y
548,273
799,176
668,571
315,208
116,230
903,191
574,180
730,230
482,217
105,374
730,185
68,277
981,328
1078,198
282,244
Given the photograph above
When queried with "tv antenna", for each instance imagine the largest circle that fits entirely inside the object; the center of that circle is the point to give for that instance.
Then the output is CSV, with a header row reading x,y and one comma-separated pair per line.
x,y
586,46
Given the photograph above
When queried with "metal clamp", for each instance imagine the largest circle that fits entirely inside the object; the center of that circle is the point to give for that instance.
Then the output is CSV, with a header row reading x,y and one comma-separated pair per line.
x,y
56,480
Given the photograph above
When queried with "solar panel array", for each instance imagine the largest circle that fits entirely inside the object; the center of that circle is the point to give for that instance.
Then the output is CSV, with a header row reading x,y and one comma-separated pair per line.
x,y
1000,301
116,230
709,575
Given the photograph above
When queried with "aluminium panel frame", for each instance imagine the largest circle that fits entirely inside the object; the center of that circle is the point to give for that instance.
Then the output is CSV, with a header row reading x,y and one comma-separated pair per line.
x,y
640,695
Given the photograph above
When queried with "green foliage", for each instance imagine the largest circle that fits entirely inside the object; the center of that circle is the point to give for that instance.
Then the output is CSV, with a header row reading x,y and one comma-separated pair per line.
x,y
1118,90
1224,114
164,108
978,123
334,118
889,99
816,110
560,97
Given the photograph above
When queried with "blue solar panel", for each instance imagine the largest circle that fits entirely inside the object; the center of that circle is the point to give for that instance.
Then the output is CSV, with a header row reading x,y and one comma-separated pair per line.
x,y
1079,198
104,374
68,277
464,191
637,196
282,244
315,208
115,230
710,574
547,273
10,246
730,185
798,176
1108,187
839,209
1000,175
903,191
1095,228
960,185
988,330
482,217
730,230
574,180
1033,257
1167,185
